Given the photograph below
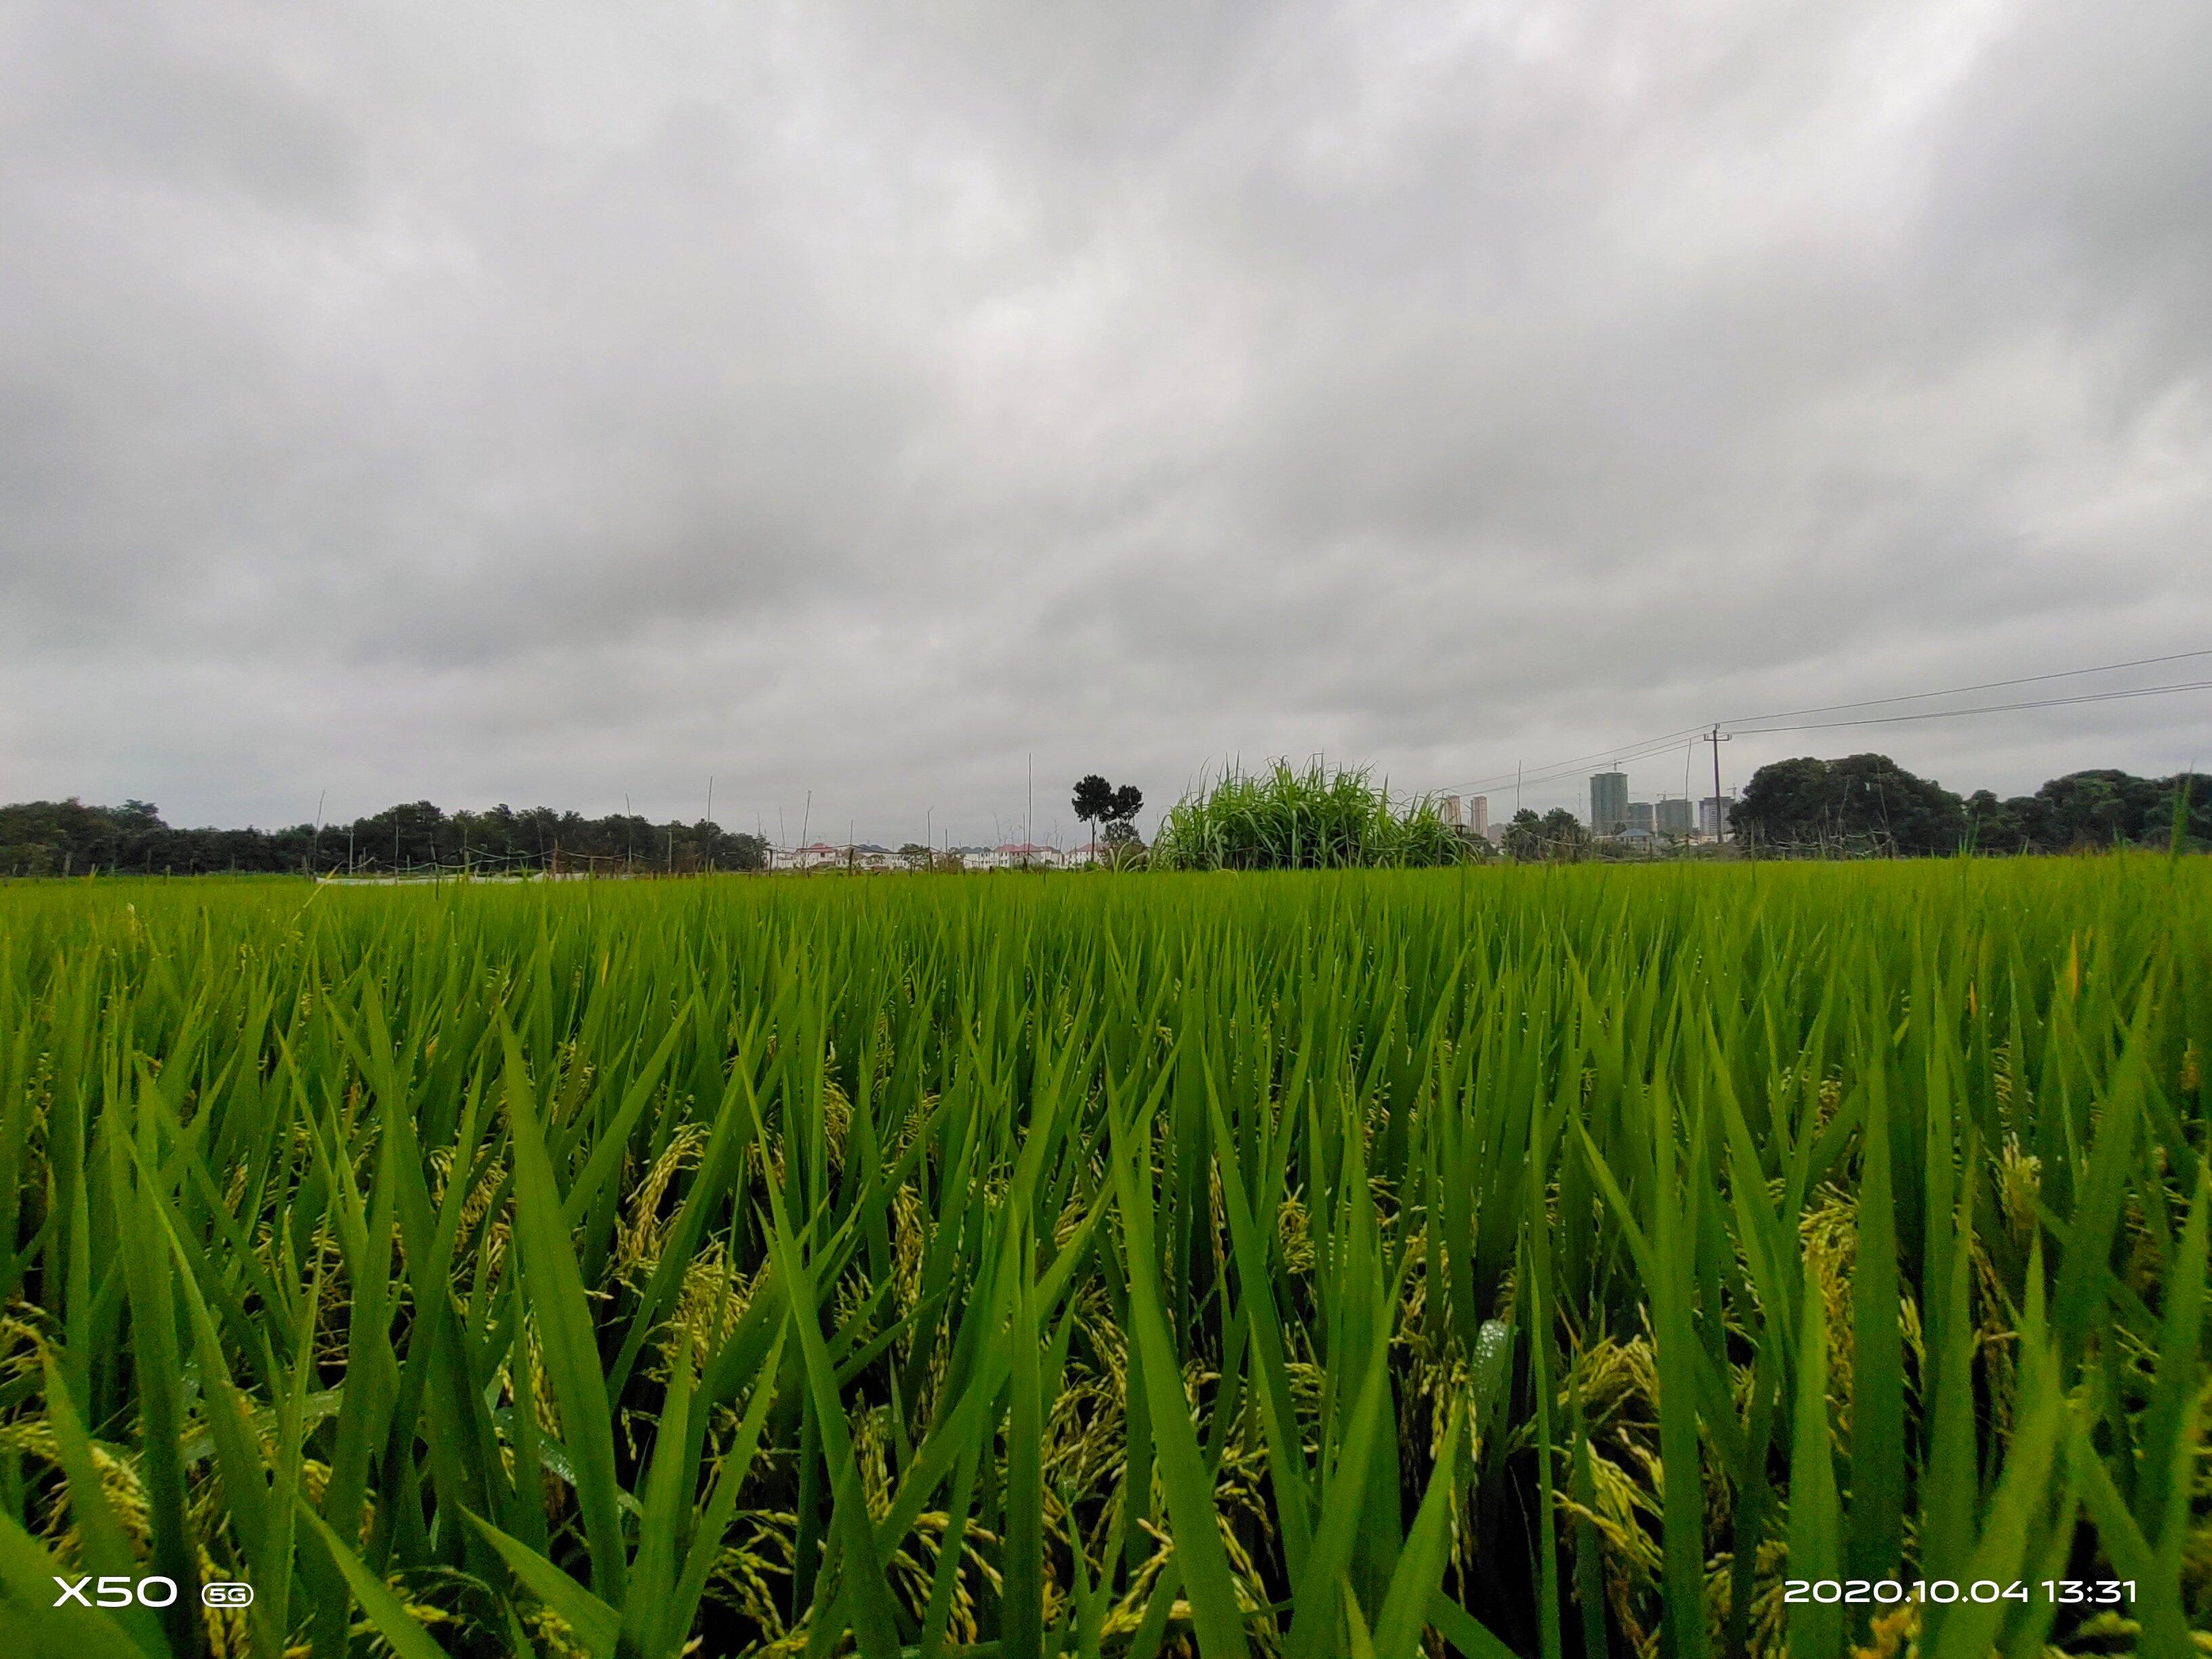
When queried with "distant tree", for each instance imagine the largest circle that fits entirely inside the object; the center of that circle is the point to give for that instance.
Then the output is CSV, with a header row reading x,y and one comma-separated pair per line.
x,y
1119,847
2186,814
1523,840
1094,799
2095,809
1098,803
2099,808
28,858
915,856
1565,837
1557,837
1786,801
1479,849
1999,826
1862,803
744,851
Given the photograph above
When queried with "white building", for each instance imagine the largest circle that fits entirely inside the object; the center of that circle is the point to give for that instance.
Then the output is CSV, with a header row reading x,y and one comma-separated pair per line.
x,y
1478,815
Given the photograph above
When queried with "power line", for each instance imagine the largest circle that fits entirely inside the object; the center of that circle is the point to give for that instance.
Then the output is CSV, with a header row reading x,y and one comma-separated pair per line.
x,y
1619,756
1621,751
1987,708
1751,725
1961,690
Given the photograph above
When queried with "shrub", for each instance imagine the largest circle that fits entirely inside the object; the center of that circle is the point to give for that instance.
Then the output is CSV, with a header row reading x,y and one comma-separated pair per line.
x,y
1286,819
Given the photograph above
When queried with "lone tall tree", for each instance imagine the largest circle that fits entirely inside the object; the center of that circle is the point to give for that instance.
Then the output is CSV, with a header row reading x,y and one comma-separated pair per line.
x,y
1098,802
1094,799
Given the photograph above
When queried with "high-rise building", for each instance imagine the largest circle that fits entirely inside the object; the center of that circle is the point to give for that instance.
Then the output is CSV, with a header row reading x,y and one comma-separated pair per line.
x,y
1478,815
1449,804
1675,817
1713,814
1609,803
1639,817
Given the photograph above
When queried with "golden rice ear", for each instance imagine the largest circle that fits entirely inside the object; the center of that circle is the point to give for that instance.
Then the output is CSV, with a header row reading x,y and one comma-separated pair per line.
x,y
637,1242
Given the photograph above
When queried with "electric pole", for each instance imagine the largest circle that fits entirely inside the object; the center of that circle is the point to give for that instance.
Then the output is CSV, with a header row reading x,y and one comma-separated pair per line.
x,y
1720,815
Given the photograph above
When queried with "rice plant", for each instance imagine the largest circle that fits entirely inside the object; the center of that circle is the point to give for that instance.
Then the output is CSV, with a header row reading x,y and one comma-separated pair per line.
x,y
1500,1261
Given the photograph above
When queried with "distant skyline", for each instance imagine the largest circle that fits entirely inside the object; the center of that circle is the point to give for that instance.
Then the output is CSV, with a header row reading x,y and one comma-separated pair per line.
x,y
450,404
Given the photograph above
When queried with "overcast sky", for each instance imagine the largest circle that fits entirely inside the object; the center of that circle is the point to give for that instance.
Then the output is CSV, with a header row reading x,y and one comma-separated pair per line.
x,y
558,403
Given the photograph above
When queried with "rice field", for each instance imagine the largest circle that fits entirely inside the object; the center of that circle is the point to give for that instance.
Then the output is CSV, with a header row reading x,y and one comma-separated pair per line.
x,y
1681,1260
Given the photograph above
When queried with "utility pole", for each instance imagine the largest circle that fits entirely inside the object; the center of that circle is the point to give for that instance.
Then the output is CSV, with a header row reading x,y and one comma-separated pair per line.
x,y
1720,819
1029,825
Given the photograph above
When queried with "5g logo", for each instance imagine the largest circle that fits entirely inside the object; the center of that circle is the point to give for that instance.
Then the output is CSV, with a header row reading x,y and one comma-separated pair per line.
x,y
116,1591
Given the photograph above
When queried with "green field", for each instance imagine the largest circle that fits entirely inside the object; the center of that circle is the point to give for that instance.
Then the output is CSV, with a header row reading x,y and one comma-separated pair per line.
x,y
1546,1260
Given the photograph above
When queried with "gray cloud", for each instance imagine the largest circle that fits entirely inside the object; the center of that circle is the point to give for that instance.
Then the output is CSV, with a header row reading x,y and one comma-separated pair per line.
x,y
860,400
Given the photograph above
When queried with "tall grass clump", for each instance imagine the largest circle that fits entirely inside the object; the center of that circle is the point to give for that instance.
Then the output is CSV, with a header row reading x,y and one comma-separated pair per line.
x,y
1281,819
1547,1261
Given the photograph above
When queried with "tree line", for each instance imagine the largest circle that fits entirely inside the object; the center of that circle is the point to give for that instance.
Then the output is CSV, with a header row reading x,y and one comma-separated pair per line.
x,y
67,837
1861,805
1868,805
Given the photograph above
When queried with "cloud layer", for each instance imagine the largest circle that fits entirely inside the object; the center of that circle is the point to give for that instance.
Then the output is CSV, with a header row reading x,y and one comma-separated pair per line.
x,y
420,401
